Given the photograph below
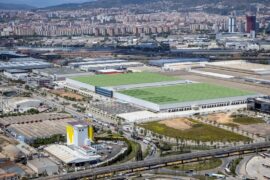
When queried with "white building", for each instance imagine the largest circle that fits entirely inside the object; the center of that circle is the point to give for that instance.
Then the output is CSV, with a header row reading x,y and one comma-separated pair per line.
x,y
232,24
22,104
15,74
69,155
80,135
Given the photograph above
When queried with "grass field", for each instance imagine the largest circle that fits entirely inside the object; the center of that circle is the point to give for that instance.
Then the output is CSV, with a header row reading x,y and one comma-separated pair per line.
x,y
123,79
198,132
184,93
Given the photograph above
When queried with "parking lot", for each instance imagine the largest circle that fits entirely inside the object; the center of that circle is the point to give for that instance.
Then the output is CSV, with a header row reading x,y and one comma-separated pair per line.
x,y
114,107
258,167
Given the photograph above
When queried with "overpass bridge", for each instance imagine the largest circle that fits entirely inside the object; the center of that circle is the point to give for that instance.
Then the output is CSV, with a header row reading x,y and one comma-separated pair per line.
x,y
109,171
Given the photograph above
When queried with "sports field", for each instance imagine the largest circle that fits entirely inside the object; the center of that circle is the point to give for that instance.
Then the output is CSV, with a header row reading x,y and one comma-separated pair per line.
x,y
184,93
123,79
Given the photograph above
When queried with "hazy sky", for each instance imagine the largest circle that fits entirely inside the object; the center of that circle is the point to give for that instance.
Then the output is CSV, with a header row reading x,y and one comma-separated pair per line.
x,y
42,3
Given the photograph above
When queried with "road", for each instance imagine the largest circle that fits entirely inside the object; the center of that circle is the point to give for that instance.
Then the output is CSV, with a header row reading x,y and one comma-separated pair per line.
x,y
155,163
241,168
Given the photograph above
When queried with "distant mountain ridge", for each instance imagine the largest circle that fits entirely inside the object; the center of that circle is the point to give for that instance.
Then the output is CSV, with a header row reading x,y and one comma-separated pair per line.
x,y
120,3
7,6
155,4
100,4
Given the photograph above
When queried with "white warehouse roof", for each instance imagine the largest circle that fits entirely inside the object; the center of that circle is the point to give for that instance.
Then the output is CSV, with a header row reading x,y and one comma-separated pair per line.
x,y
68,155
24,65
110,66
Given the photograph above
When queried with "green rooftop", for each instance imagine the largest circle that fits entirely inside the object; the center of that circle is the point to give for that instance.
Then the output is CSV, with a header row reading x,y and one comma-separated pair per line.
x,y
184,93
123,79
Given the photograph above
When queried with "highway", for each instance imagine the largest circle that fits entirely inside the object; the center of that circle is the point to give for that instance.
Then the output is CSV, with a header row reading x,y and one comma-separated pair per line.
x,y
163,162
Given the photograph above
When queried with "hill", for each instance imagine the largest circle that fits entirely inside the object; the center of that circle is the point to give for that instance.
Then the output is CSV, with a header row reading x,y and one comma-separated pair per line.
x,y
6,6
158,4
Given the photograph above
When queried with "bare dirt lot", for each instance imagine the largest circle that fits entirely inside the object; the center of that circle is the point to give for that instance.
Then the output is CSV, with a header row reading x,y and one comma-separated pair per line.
x,y
63,93
179,123
222,118
260,129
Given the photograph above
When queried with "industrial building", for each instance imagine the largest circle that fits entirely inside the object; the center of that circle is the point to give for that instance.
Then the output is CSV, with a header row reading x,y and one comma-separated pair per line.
x,y
24,119
39,81
79,149
8,91
43,166
95,83
29,65
119,66
93,62
13,153
94,65
6,55
70,155
59,74
261,104
21,104
162,62
110,71
26,149
26,59
15,74
184,96
45,129
161,93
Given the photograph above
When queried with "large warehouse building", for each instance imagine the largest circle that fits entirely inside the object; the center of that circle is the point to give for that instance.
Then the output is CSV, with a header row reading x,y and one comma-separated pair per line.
x,y
27,65
162,62
93,62
120,65
157,92
59,74
93,65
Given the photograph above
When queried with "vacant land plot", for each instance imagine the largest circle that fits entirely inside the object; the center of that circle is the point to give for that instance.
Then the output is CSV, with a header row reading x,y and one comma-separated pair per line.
x,y
228,118
198,132
242,122
123,79
259,129
184,93
67,95
221,118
